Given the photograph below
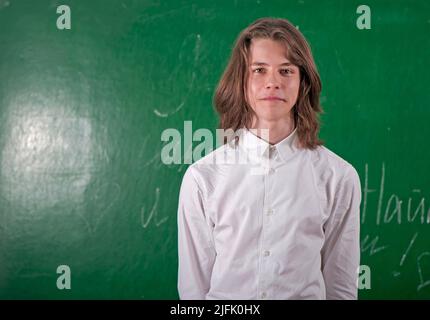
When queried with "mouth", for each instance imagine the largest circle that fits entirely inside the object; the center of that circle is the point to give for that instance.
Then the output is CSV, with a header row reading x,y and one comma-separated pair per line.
x,y
273,99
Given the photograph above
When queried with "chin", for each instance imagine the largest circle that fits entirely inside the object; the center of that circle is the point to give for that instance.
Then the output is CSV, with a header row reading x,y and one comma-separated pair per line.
x,y
272,116
273,111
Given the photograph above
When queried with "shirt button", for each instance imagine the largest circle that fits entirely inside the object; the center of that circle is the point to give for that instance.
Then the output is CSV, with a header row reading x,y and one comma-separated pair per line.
x,y
266,253
271,170
269,212
263,295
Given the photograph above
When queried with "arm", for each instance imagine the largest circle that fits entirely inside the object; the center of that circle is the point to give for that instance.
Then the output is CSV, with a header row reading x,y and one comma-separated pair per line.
x,y
195,246
341,250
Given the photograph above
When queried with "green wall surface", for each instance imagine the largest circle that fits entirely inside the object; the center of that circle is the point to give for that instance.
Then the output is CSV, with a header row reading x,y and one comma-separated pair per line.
x,y
82,111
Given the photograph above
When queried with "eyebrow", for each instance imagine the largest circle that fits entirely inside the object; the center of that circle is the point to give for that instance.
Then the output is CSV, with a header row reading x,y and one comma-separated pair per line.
x,y
265,64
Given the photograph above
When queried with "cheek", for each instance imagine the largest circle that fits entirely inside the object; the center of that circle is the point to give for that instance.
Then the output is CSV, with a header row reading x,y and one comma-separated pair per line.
x,y
293,87
252,90
253,87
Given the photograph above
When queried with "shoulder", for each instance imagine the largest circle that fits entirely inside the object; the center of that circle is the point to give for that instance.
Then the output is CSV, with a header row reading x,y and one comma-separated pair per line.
x,y
206,169
331,169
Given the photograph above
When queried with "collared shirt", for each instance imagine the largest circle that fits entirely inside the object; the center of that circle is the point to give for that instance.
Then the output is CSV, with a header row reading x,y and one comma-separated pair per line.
x,y
282,224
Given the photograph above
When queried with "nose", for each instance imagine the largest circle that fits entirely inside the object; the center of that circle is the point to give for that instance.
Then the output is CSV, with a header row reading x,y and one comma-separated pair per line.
x,y
272,81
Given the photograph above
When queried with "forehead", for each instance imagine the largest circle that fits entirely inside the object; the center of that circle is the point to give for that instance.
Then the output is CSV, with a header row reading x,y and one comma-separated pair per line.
x,y
268,49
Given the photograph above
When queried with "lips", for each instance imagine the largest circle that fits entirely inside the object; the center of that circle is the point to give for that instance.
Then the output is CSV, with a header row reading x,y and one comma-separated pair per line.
x,y
273,98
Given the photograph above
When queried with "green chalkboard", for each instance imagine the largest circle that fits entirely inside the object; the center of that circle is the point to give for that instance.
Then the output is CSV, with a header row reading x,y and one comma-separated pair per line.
x,y
82,111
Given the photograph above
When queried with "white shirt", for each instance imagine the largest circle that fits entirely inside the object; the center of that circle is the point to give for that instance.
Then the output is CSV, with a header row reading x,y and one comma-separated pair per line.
x,y
290,232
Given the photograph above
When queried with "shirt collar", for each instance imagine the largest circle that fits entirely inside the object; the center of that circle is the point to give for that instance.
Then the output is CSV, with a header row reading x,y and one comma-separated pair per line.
x,y
258,147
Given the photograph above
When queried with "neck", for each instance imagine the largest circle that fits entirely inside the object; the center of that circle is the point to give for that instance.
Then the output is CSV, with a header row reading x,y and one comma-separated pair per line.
x,y
273,131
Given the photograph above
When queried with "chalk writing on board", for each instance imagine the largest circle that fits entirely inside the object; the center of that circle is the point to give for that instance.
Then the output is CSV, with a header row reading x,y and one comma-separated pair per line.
x,y
424,279
190,89
402,260
153,214
409,248
395,210
371,245
101,205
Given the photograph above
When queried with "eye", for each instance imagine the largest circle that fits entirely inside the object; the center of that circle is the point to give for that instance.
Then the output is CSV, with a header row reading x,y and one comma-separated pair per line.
x,y
286,71
258,70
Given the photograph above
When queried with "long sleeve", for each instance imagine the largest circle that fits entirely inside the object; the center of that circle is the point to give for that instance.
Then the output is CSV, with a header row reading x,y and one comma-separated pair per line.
x,y
341,250
195,244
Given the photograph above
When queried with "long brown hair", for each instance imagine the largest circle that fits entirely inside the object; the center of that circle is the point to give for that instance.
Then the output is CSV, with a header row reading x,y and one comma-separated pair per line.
x,y
230,96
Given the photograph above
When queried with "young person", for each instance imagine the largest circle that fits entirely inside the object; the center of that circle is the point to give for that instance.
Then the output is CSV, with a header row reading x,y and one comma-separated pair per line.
x,y
291,231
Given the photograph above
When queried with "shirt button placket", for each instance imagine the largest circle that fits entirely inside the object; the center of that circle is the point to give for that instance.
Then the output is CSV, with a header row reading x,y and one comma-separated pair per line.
x,y
268,212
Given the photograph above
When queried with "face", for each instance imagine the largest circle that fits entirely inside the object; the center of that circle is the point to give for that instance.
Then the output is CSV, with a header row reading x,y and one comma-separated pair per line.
x,y
273,83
